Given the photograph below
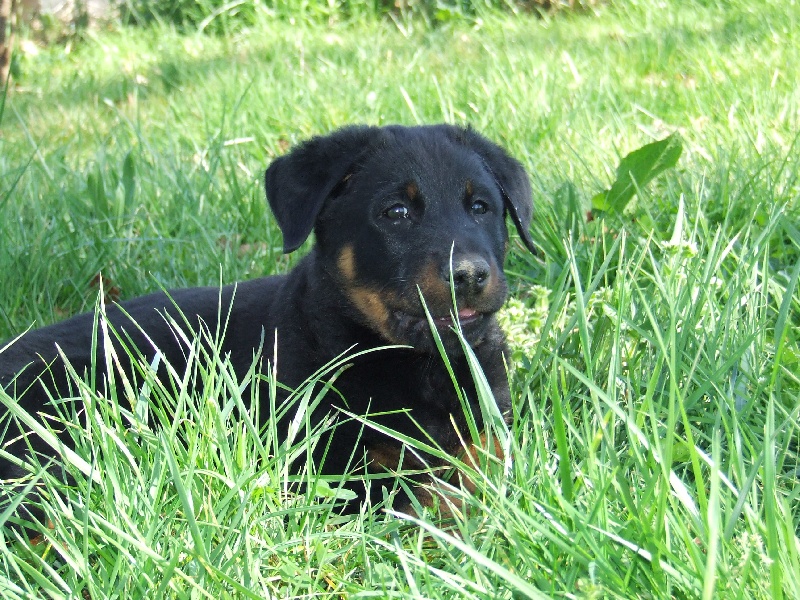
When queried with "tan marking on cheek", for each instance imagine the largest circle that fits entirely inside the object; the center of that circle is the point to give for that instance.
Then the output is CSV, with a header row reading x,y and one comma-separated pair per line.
x,y
367,301
347,263
372,306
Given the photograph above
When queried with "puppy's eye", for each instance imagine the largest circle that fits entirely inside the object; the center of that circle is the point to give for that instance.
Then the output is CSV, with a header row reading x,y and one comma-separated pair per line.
x,y
478,207
397,212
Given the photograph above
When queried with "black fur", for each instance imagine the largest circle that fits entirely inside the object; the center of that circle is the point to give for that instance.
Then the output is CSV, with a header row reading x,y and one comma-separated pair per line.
x,y
395,211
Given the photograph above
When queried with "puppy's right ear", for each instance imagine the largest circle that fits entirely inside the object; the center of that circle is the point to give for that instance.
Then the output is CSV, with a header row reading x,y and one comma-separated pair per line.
x,y
298,183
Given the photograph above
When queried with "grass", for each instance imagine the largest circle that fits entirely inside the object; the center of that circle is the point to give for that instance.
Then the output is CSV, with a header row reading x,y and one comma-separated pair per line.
x,y
656,354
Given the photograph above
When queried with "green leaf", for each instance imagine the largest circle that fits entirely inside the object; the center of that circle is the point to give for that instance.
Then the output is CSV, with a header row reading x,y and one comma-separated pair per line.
x,y
128,178
97,190
636,170
323,489
599,202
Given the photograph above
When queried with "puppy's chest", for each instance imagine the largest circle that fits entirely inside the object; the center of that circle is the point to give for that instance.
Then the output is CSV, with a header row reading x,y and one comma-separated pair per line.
x,y
419,385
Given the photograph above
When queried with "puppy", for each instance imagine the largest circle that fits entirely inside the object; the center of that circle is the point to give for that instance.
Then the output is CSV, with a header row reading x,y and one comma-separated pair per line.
x,y
399,214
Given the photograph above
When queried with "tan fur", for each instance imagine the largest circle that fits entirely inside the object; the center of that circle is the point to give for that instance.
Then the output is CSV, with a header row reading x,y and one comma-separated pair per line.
x,y
370,304
435,291
435,492
383,458
494,280
472,456
347,263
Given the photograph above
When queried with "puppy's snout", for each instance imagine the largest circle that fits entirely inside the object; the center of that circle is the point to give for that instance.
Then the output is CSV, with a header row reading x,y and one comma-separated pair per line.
x,y
470,274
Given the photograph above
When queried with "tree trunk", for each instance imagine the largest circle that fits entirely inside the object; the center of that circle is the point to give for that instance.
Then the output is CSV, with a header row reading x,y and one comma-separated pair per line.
x,y
6,38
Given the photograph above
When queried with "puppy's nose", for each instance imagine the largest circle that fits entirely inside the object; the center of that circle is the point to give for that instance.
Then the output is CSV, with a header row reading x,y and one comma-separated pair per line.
x,y
470,274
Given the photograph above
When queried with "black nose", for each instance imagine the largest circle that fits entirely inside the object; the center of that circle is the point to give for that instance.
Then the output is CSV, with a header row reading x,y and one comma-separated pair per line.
x,y
470,274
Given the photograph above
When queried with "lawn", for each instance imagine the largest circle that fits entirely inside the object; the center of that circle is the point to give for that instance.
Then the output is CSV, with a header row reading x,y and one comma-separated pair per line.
x,y
656,350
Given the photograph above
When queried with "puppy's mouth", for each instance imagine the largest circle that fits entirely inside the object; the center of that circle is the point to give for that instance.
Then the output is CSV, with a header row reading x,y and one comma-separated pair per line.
x,y
466,316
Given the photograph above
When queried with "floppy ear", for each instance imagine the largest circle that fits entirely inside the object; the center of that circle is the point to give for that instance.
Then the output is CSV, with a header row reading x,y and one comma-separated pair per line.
x,y
512,180
298,183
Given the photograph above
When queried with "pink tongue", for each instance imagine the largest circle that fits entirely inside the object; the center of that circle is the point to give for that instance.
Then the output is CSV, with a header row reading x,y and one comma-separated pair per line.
x,y
465,314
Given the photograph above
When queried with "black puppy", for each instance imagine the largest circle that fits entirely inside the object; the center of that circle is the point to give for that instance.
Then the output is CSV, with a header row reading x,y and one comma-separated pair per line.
x,y
397,212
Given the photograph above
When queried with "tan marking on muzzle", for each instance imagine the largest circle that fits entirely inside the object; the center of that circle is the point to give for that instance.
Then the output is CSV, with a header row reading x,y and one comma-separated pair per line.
x,y
494,282
435,290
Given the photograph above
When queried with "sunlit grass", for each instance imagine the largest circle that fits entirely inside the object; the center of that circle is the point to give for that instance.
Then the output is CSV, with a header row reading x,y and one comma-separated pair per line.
x,y
655,355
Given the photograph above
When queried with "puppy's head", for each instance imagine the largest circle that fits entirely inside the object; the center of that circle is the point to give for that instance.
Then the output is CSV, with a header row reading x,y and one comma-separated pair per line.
x,y
399,211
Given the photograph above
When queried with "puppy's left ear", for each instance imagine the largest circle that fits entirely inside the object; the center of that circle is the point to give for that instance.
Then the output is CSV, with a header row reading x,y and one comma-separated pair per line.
x,y
511,178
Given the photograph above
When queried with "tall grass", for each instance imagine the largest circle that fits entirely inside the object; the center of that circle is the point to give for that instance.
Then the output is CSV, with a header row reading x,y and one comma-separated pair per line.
x,y
655,353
